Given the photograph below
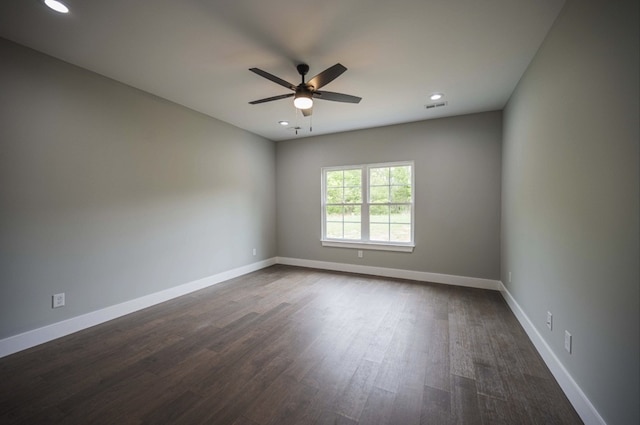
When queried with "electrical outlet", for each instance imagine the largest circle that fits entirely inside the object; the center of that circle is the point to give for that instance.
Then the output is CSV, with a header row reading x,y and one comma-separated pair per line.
x,y
255,251
359,254
567,341
549,320
58,300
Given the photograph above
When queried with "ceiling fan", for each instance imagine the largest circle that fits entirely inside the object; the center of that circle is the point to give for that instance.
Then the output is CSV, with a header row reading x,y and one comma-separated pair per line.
x,y
304,93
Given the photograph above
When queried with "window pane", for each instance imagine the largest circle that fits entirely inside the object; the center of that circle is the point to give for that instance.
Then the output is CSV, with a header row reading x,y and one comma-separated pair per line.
x,y
401,176
334,230
379,214
353,177
353,214
334,212
353,195
334,195
401,194
401,232
379,176
400,214
352,230
335,179
379,232
379,194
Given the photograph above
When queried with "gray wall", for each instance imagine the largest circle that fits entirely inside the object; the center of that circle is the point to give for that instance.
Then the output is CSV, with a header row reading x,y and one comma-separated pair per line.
x,y
109,193
457,177
570,199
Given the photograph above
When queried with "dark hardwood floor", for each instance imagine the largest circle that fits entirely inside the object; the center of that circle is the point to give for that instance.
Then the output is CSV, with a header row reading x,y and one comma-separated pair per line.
x,y
289,345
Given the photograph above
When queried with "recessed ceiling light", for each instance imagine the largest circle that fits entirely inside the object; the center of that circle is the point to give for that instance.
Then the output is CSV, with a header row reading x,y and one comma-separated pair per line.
x,y
436,96
283,123
56,5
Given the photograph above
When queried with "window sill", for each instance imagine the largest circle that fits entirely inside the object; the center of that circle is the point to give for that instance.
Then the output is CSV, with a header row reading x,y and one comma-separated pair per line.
x,y
373,246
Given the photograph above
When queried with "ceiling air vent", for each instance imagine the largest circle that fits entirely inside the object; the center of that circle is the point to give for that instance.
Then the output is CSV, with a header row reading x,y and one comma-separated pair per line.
x,y
435,105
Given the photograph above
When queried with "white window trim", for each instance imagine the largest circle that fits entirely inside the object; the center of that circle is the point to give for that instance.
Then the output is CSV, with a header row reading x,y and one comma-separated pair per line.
x,y
360,244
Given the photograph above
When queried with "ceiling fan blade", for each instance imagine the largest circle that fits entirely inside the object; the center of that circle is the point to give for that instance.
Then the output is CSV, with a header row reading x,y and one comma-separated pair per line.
x,y
269,99
336,97
307,112
273,78
327,76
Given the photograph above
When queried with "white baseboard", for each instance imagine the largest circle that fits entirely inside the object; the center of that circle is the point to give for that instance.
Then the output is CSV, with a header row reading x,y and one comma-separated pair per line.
x,y
29,339
574,393
472,282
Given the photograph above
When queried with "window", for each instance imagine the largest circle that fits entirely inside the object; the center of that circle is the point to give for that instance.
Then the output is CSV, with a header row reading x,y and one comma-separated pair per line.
x,y
368,206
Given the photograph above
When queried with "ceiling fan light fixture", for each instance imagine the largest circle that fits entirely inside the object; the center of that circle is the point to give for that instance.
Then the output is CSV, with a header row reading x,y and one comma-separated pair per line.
x,y
303,100
56,5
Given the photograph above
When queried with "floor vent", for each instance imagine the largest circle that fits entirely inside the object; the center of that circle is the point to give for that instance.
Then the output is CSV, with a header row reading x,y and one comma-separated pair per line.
x,y
435,105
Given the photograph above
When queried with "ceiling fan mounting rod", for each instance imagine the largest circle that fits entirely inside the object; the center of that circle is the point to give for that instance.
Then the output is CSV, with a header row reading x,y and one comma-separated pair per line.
x,y
302,68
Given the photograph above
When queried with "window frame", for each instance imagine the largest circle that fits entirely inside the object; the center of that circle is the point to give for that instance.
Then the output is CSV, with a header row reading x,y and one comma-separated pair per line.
x,y
364,242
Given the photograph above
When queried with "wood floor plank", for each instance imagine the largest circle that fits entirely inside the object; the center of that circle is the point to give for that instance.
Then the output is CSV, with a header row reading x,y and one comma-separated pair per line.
x,y
407,406
329,417
223,401
384,333
464,404
378,407
244,421
499,412
237,398
310,358
460,340
295,408
172,409
189,372
288,345
352,400
266,405
436,407
118,403
437,366
392,368
489,381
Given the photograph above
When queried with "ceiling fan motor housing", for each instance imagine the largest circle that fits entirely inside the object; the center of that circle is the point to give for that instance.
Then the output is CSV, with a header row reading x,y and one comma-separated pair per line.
x,y
302,68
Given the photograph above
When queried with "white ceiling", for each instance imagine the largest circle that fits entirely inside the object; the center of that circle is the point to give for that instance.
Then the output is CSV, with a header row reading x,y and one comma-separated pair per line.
x,y
197,53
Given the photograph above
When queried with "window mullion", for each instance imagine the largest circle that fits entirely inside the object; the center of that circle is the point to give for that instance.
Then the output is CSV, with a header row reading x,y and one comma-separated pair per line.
x,y
365,203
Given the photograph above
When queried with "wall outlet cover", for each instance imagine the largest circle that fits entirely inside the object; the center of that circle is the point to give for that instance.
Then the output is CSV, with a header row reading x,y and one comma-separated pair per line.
x,y
58,300
567,341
